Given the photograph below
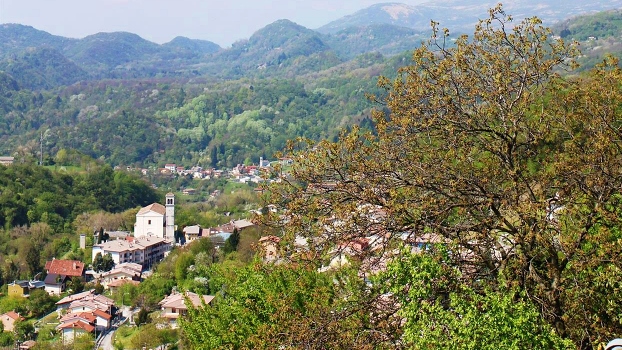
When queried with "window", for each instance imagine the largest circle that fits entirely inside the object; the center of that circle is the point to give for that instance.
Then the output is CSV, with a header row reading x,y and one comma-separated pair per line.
x,y
149,222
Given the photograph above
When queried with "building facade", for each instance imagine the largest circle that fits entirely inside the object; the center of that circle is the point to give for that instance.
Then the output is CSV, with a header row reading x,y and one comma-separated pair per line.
x,y
157,220
144,251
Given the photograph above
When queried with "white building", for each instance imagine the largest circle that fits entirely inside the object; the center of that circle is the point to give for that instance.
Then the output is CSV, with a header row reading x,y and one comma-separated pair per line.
x,y
157,220
144,251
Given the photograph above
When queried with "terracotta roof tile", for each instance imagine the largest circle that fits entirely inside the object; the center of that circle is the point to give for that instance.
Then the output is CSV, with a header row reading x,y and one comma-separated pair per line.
x,y
65,267
157,207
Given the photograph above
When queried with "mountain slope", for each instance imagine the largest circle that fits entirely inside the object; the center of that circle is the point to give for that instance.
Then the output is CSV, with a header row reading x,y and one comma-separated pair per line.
x,y
386,39
42,68
461,15
111,49
278,45
192,46
15,38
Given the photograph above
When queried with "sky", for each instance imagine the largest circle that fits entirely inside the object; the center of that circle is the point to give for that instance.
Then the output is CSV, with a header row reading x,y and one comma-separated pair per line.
x,y
220,21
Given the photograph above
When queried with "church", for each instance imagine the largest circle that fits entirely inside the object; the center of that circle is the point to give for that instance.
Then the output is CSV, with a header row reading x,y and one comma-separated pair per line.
x,y
157,220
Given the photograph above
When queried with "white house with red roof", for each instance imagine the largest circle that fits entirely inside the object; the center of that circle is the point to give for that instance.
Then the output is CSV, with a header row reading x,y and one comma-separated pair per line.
x,y
174,305
75,328
9,319
59,272
83,313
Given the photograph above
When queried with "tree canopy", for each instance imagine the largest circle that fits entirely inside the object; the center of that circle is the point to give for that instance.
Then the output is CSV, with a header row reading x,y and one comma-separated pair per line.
x,y
485,149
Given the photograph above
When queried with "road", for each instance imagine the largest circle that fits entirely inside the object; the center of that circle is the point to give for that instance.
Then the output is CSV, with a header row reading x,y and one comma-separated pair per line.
x,y
105,343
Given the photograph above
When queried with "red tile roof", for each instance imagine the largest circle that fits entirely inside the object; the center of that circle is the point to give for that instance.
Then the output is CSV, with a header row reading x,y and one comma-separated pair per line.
x,y
14,315
120,282
157,207
77,324
65,267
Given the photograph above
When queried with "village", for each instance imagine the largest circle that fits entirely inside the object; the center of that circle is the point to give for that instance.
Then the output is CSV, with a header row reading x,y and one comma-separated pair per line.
x,y
128,258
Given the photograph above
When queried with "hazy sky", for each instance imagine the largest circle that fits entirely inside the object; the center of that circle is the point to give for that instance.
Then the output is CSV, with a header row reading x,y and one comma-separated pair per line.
x,y
220,21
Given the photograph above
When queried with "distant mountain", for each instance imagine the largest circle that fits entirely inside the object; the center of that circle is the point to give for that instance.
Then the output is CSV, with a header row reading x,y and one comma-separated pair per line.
x,y
281,43
461,15
382,14
590,27
15,38
386,39
42,68
111,49
192,46
599,34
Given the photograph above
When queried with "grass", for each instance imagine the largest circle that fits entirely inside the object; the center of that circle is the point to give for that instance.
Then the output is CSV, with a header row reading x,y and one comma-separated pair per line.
x,y
122,337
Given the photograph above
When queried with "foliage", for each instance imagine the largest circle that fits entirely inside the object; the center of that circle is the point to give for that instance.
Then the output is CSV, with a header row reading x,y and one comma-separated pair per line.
x,y
13,303
266,306
231,243
40,303
485,147
24,330
75,285
6,339
142,317
440,311
33,194
151,336
103,264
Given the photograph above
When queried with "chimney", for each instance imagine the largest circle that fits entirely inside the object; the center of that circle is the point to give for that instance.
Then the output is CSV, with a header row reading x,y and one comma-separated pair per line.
x,y
74,265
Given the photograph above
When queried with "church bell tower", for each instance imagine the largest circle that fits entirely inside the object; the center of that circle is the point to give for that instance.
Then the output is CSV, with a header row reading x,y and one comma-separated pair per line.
x,y
170,217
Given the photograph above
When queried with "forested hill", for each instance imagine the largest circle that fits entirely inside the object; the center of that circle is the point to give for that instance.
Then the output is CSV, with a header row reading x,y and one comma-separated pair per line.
x,y
599,34
128,101
207,123
280,49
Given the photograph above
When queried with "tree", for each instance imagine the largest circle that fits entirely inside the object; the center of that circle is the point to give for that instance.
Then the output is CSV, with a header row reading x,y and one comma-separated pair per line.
x,y
107,262
24,330
142,317
75,284
98,262
40,303
485,147
291,306
231,244
103,263
462,318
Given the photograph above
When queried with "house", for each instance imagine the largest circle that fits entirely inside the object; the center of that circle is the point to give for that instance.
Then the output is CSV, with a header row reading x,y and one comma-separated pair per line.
x,y
74,329
124,271
88,302
23,288
6,161
170,167
269,247
114,285
174,305
59,272
192,232
157,220
71,268
9,319
55,284
98,318
143,251
66,301
189,191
